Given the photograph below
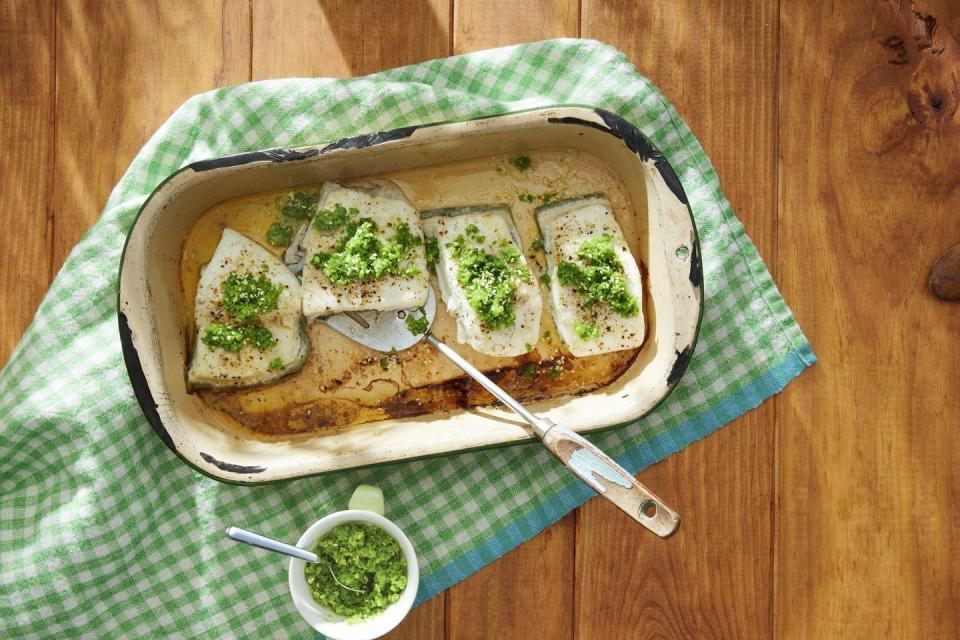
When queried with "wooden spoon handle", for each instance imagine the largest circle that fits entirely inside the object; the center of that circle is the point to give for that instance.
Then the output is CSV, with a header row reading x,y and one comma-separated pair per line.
x,y
611,481
589,464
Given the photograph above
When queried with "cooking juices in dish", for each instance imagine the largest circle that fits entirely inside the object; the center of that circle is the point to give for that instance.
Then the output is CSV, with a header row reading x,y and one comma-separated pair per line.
x,y
487,223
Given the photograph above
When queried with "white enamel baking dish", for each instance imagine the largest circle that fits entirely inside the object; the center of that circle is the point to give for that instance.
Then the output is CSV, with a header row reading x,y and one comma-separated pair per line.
x,y
153,331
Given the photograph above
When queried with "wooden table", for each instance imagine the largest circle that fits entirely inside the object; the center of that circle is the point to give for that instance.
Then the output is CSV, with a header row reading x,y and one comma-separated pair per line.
x,y
829,512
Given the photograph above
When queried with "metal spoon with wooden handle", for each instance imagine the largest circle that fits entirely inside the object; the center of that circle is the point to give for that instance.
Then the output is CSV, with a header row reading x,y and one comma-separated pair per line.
x,y
387,331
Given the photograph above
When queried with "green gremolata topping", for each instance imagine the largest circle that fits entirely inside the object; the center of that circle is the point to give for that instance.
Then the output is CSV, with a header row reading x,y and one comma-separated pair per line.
x,y
331,219
246,295
521,162
232,337
280,233
600,279
361,255
489,280
299,205
432,248
587,331
417,325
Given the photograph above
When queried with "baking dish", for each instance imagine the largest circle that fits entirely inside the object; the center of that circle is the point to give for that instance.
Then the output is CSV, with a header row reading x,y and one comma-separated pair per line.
x,y
153,331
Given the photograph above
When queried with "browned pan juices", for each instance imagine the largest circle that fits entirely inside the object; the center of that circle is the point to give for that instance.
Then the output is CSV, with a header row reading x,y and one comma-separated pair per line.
x,y
343,383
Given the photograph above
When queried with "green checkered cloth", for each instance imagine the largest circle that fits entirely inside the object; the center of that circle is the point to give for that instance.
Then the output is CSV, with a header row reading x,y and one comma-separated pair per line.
x,y
105,532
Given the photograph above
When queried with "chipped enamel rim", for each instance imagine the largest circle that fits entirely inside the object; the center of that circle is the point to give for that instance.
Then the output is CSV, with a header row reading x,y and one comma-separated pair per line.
x,y
154,341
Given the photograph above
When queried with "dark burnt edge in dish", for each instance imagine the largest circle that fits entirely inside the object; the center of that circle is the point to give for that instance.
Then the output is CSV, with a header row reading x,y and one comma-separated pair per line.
x,y
232,468
368,140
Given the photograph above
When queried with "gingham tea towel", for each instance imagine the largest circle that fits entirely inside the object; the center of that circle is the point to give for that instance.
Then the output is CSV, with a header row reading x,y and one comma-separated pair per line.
x,y
105,533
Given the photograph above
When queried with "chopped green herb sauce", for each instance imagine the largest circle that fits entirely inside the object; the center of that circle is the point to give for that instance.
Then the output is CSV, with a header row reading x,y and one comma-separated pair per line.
x,y
537,244
280,233
529,370
555,371
276,363
473,233
521,162
545,198
361,256
489,280
432,249
331,219
232,337
586,331
528,346
600,279
545,278
364,557
299,205
245,295
417,325
386,362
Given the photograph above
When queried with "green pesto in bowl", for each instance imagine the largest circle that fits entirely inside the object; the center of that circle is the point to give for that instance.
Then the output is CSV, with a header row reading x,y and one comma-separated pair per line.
x,y
364,557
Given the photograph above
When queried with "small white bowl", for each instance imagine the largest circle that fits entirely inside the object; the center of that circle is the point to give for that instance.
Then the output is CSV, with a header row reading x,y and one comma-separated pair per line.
x,y
326,621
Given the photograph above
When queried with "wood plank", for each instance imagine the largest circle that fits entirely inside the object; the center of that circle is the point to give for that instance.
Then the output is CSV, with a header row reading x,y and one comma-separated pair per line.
x,y
529,592
426,622
483,24
869,458
716,61
343,38
122,69
526,594
26,130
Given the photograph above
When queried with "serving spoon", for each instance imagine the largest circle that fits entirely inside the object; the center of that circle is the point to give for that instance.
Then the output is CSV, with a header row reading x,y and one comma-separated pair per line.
x,y
387,331
263,542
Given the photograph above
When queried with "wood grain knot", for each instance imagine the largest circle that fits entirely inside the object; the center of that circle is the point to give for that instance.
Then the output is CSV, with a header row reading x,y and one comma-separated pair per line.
x,y
931,55
899,47
945,275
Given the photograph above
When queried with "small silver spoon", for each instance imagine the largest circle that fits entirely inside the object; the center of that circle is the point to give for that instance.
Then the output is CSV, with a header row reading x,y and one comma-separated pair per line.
x,y
263,542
